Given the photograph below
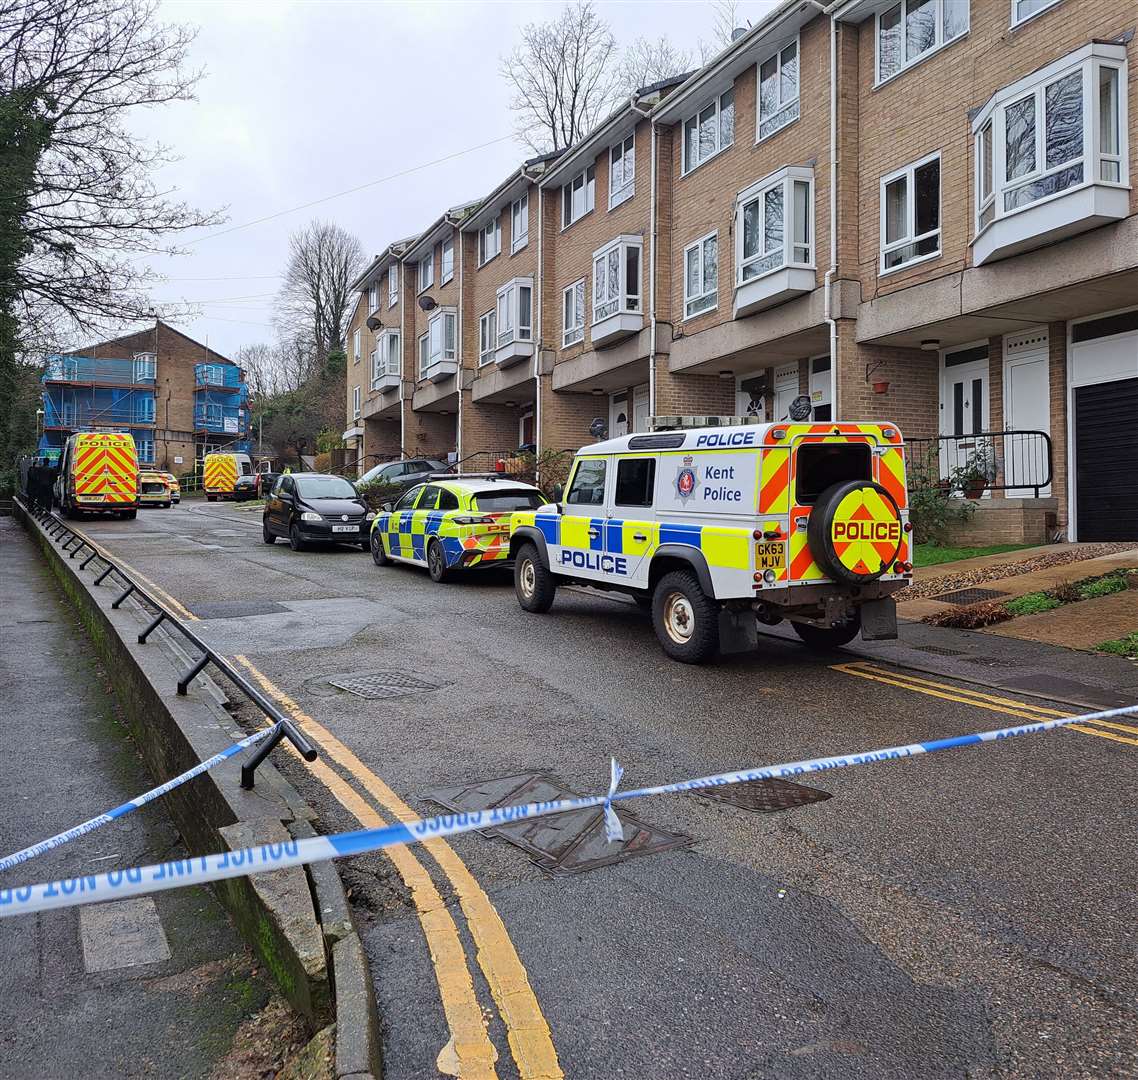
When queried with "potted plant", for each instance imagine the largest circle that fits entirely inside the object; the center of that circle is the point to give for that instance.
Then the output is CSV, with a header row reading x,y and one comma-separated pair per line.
x,y
977,473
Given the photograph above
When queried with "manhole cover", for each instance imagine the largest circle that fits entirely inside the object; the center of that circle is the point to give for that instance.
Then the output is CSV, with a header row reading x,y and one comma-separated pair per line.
x,y
383,684
237,609
964,597
566,843
764,796
939,650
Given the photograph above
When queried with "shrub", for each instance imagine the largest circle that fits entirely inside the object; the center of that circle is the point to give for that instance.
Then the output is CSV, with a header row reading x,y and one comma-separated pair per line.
x,y
1124,646
932,513
1103,586
969,618
1067,592
1032,604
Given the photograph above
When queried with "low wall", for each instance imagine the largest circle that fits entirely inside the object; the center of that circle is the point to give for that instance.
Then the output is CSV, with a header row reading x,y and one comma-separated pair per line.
x,y
1007,521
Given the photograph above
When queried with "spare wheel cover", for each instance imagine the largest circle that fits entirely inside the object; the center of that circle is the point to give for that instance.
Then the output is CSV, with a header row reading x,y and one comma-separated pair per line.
x,y
855,531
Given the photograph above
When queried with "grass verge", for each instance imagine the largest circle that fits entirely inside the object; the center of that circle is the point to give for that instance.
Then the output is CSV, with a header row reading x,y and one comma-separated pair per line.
x,y
1124,646
931,555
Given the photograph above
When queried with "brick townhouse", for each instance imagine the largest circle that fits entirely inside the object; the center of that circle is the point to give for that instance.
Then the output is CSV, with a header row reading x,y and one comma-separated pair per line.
x,y
178,398
918,210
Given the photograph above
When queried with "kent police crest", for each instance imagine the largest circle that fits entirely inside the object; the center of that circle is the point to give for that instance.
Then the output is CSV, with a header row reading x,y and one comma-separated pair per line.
x,y
686,480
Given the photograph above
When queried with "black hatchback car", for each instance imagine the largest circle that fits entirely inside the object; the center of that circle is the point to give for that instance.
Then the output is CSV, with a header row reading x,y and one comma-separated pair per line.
x,y
313,508
404,474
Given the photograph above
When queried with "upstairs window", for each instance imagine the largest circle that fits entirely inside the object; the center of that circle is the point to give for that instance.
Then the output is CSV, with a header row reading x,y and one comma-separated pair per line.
x,y
372,297
778,91
912,29
446,262
910,214
515,311
427,272
356,346
355,401
578,196
774,224
712,129
617,278
146,367
622,171
701,275
487,338
441,337
489,241
1022,10
573,314
519,224
392,285
385,359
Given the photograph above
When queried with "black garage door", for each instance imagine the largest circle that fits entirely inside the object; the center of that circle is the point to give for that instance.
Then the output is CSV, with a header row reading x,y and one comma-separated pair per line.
x,y
1106,461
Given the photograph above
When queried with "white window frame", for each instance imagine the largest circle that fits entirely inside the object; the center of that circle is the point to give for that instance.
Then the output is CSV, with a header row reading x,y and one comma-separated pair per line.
x,y
939,40
787,178
423,345
1019,20
445,272
519,212
487,337
386,357
509,327
704,292
786,111
909,174
489,240
392,285
588,184
624,152
356,345
1090,60
372,297
573,333
427,271
356,407
626,303
720,146
438,322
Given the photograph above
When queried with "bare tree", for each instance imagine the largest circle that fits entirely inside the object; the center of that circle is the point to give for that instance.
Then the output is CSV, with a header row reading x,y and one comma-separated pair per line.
x,y
646,62
81,66
726,19
314,301
262,375
563,77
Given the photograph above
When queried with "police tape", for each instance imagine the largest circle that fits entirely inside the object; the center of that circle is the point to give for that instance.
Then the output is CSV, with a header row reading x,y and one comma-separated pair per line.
x,y
201,869
94,823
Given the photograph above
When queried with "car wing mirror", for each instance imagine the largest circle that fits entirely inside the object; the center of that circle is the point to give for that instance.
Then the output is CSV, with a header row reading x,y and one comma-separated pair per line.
x,y
386,508
557,492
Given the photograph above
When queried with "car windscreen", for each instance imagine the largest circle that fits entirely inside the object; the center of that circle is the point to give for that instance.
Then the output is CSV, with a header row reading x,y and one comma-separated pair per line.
x,y
325,487
517,499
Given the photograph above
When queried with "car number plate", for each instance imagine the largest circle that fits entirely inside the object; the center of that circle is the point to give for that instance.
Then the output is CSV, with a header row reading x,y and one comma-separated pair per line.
x,y
345,528
770,555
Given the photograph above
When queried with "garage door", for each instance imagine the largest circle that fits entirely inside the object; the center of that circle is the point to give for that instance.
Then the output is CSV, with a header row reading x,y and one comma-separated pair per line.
x,y
1106,460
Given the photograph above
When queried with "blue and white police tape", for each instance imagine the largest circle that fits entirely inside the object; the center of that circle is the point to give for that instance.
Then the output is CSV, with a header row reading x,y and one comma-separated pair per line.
x,y
200,869
94,823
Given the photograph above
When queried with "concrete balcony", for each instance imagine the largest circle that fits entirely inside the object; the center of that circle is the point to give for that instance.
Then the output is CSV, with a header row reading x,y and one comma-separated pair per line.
x,y
513,352
616,327
773,288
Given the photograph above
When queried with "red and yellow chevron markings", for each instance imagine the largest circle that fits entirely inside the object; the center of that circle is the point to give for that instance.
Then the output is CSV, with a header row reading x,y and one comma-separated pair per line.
x,y
106,468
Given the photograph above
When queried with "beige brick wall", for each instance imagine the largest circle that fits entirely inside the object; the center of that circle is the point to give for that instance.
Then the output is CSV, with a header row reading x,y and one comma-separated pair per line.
x,y
565,418
488,428
911,401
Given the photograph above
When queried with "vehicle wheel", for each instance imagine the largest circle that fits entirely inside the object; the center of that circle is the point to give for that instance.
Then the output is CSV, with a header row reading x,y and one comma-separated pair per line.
x,y
167,505
534,584
824,638
378,555
267,536
129,515
294,539
365,545
685,618
211,498
437,563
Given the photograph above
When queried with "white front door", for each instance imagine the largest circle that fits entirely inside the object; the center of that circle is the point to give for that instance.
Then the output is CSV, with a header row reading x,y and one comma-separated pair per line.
x,y
964,408
640,409
785,390
1027,409
618,415
750,396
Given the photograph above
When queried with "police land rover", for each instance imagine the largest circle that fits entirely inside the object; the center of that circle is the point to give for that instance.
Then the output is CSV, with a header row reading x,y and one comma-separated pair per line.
x,y
718,528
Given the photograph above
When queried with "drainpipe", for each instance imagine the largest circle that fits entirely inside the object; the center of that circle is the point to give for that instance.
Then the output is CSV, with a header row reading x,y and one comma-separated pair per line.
x,y
402,354
458,353
538,431
652,230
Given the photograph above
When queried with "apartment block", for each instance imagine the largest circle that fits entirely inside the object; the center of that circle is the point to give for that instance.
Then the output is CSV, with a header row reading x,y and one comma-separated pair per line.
x,y
178,398
918,210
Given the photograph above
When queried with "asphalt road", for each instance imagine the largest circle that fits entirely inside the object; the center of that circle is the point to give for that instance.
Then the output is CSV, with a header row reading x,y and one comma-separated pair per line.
x,y
971,913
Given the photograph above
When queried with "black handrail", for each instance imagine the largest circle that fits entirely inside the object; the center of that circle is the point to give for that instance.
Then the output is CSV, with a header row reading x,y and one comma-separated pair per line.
x,y
283,727
983,461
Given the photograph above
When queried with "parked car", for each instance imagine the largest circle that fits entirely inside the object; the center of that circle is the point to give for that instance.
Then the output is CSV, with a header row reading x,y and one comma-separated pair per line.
x,y
154,490
265,482
314,507
245,488
175,487
405,474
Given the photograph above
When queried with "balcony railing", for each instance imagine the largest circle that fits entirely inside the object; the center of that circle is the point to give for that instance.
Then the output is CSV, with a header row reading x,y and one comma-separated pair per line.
x,y
88,369
1018,463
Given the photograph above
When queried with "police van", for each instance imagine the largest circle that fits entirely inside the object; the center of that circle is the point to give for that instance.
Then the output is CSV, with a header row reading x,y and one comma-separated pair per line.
x,y
719,528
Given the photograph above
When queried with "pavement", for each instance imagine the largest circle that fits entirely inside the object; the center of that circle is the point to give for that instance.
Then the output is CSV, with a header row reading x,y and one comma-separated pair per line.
x,y
149,987
969,914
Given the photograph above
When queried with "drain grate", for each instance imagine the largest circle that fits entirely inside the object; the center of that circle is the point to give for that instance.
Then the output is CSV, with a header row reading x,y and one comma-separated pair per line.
x,y
964,597
939,650
568,843
765,796
375,685
237,609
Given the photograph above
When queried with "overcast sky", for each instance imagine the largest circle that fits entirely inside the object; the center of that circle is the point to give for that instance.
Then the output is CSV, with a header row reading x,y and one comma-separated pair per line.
x,y
303,100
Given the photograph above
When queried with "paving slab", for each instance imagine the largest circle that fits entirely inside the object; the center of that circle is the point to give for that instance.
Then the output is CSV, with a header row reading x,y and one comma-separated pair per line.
x,y
1081,625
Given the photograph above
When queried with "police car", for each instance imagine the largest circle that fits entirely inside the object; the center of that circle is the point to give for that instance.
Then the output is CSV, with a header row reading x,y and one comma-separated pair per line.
x,y
451,523
719,528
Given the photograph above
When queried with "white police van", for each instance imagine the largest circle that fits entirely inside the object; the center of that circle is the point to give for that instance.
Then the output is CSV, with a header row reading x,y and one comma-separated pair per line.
x,y
717,528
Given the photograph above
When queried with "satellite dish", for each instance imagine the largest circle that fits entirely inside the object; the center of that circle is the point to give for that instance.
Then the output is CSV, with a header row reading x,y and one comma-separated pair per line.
x,y
427,303
598,428
800,408
373,323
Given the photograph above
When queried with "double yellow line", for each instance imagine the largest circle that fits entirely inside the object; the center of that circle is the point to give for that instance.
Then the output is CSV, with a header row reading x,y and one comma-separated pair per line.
x,y
990,702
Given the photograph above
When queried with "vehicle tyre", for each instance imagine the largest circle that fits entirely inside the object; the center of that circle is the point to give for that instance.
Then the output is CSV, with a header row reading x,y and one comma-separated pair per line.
x,y
378,555
295,541
534,584
365,545
437,563
167,505
267,536
211,498
129,515
685,618
824,638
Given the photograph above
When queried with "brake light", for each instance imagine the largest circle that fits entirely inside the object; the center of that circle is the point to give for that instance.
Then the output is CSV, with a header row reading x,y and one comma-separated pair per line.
x,y
466,519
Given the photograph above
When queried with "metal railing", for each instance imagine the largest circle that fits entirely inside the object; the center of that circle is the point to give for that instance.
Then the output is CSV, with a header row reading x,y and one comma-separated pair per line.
x,y
72,542
969,465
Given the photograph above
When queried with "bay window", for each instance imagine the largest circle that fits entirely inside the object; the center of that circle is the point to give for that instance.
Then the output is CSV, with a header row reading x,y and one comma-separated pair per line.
x,y
910,214
573,314
701,275
519,223
1055,139
913,29
616,277
446,261
578,196
711,130
437,353
622,171
515,311
489,241
487,338
427,272
778,91
386,366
